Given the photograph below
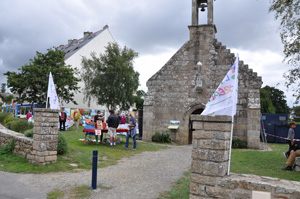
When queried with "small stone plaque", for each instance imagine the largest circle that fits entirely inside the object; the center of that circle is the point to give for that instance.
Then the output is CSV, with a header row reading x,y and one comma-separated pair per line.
x,y
261,195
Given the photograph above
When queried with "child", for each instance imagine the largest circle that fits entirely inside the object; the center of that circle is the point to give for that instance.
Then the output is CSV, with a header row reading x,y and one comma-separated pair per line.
x,y
290,139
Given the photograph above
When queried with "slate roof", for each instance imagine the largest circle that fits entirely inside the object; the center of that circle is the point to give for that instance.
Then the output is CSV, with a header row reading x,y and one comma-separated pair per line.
x,y
74,45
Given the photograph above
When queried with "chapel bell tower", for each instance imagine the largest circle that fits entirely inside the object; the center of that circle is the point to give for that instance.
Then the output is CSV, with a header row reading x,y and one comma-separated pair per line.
x,y
203,5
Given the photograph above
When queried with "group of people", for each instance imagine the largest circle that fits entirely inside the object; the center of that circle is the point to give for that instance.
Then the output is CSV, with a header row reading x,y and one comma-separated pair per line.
x,y
63,118
294,150
113,122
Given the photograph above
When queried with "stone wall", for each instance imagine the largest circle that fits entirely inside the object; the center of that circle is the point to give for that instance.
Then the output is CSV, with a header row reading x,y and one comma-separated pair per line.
x,y
187,81
23,144
297,164
210,158
42,149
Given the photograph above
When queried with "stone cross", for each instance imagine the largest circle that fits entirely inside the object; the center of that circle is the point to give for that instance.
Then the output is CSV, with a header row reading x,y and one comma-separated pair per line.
x,y
196,4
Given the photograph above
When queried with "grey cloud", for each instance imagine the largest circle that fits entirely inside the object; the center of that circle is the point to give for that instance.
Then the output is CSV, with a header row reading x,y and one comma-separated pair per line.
x,y
147,26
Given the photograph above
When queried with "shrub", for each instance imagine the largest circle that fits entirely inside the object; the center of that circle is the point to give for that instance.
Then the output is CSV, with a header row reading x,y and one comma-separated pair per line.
x,y
18,125
62,145
6,117
28,133
8,148
161,137
238,143
156,137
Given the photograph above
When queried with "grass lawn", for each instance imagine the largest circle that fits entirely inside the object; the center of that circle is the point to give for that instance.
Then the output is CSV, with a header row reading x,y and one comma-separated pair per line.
x,y
262,163
78,153
180,190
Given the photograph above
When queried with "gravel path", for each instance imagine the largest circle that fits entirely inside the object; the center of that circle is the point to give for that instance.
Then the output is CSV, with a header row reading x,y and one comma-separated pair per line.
x,y
143,176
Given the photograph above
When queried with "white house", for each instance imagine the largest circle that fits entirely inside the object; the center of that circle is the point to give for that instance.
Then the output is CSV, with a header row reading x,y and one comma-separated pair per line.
x,y
75,50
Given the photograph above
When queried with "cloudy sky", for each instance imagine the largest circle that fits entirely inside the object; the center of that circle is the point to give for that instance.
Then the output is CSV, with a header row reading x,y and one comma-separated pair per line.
x,y
156,29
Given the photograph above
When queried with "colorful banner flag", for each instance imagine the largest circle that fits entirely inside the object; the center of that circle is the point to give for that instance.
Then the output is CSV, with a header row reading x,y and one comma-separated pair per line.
x,y
52,95
224,99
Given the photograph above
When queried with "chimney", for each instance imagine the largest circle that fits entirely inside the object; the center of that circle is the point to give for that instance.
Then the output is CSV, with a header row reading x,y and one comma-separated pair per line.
x,y
86,34
105,27
70,41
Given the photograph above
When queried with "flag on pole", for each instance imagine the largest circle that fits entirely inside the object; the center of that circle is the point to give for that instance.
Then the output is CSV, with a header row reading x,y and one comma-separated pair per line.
x,y
224,99
52,95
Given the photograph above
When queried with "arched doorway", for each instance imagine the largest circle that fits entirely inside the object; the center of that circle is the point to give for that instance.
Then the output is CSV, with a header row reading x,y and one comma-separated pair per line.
x,y
195,112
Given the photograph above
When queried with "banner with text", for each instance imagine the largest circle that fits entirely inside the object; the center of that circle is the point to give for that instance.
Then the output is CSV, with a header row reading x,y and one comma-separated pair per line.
x,y
224,99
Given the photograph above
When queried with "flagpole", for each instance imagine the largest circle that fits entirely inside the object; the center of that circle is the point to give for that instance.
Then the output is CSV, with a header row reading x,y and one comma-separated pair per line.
x,y
232,114
47,100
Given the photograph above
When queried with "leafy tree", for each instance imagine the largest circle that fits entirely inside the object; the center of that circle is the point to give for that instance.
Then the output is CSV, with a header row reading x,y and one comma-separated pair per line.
x,y
296,113
31,83
8,99
139,99
111,78
277,98
266,105
3,88
288,11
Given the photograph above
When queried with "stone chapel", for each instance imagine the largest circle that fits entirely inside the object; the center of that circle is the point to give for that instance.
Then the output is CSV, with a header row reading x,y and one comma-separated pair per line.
x,y
183,86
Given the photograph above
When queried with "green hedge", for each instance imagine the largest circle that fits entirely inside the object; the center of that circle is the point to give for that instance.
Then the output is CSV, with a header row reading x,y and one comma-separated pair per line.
x,y
19,125
62,145
28,133
5,117
161,137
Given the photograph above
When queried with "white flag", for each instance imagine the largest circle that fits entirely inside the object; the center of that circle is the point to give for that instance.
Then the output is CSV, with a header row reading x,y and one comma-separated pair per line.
x,y
224,99
52,95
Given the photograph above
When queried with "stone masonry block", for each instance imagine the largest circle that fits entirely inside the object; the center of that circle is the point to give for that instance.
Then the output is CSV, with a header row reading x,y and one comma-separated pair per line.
x,y
36,130
214,155
217,126
195,154
214,169
52,152
201,134
207,118
195,143
196,166
54,130
253,142
217,192
52,146
203,180
45,130
214,144
47,114
52,119
297,161
197,125
39,146
228,183
194,188
42,153
45,124
39,137
52,158
40,159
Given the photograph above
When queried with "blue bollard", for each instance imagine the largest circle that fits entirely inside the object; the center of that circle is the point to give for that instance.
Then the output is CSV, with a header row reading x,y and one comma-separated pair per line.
x,y
94,169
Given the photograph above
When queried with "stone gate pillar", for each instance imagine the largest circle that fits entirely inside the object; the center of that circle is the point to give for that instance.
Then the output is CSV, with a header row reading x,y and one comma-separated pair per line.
x,y
210,155
45,136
